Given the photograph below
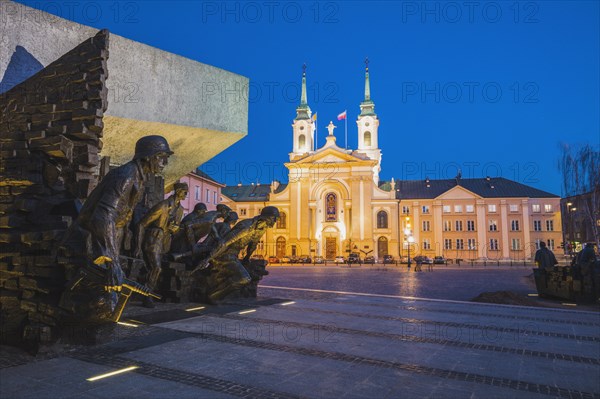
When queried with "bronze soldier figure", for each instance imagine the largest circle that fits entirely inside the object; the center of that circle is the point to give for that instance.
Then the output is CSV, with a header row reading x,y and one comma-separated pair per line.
x,y
193,229
151,233
108,209
244,235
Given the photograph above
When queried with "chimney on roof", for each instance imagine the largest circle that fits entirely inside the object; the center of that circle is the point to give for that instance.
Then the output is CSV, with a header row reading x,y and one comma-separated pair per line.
x,y
274,185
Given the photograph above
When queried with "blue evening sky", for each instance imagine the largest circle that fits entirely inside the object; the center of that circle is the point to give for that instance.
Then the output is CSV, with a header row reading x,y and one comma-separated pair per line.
x,y
491,87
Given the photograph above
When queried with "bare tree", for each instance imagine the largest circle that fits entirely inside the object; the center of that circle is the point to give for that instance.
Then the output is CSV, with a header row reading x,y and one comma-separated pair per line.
x,y
580,170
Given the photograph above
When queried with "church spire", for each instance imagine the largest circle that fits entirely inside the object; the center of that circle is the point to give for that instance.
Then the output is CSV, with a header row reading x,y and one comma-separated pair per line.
x,y
367,84
303,110
367,107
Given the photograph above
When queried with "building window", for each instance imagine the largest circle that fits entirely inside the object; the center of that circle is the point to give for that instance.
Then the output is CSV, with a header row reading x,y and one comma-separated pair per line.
x,y
514,208
207,196
494,244
492,208
516,244
514,225
537,225
471,244
446,208
470,225
459,225
293,248
331,207
493,225
547,208
458,208
470,209
460,243
426,225
447,225
405,209
301,141
426,243
550,243
367,139
425,208
382,220
198,194
243,212
215,197
537,244
282,221
447,243
550,225
535,208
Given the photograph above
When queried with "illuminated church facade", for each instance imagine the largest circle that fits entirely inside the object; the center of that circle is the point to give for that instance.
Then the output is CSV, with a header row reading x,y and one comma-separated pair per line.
x,y
334,204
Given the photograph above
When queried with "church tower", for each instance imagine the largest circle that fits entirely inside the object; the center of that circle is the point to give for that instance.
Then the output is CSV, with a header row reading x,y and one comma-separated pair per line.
x,y
303,126
368,126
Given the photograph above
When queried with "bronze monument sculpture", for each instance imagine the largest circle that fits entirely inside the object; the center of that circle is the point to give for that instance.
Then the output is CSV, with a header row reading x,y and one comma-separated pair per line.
x,y
153,232
231,273
94,238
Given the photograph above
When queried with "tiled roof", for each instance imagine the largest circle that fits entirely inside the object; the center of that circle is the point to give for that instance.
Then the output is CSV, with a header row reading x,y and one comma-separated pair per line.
x,y
200,173
247,193
495,187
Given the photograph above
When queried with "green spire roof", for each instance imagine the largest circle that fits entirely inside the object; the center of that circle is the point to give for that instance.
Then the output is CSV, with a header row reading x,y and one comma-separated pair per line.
x,y
303,110
367,107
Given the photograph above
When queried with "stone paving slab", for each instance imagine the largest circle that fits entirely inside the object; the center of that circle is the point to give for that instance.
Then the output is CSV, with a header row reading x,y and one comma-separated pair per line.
x,y
332,346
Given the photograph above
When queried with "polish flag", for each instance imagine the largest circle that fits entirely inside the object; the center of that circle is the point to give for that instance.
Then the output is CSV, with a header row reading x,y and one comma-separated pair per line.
x,y
342,116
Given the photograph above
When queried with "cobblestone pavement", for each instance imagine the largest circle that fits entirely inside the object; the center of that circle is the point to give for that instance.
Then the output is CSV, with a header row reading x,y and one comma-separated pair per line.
x,y
317,343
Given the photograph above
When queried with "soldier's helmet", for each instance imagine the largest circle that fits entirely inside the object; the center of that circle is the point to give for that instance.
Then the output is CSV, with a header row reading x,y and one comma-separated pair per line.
x,y
180,186
270,211
200,206
148,146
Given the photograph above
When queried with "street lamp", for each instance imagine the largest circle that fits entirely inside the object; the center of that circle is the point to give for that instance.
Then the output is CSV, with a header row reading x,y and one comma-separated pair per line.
x,y
409,239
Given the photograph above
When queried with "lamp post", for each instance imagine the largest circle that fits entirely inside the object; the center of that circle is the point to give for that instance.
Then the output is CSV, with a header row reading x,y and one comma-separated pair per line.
x,y
409,240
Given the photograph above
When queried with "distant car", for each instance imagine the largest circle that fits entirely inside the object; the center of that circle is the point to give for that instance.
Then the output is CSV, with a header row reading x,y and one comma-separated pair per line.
x,y
339,259
257,257
319,260
304,259
439,260
404,259
273,259
422,259
370,259
354,257
388,259
293,259
286,259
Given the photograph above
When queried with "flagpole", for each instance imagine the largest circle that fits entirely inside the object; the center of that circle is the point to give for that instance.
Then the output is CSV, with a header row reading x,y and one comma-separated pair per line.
x,y
316,135
346,130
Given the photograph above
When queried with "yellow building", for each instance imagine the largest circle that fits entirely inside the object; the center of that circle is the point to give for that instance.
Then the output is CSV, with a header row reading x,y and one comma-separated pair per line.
x,y
334,204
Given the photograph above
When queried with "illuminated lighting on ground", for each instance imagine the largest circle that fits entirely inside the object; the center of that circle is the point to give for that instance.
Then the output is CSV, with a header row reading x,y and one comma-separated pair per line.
x,y
136,321
569,304
248,311
532,295
122,323
98,377
198,308
288,303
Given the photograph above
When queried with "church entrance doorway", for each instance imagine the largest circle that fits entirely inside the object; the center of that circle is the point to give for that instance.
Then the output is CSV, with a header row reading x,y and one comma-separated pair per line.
x,y
382,247
330,248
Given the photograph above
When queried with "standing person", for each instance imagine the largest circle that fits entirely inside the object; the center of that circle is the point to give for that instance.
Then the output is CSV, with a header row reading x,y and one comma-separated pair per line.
x,y
150,236
419,261
545,258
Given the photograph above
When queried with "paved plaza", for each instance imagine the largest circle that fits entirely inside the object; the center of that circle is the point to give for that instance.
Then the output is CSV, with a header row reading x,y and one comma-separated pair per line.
x,y
335,333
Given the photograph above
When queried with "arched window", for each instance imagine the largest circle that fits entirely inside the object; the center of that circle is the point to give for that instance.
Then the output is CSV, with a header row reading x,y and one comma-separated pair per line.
x,y
331,207
367,139
301,141
281,222
382,220
382,247
280,247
